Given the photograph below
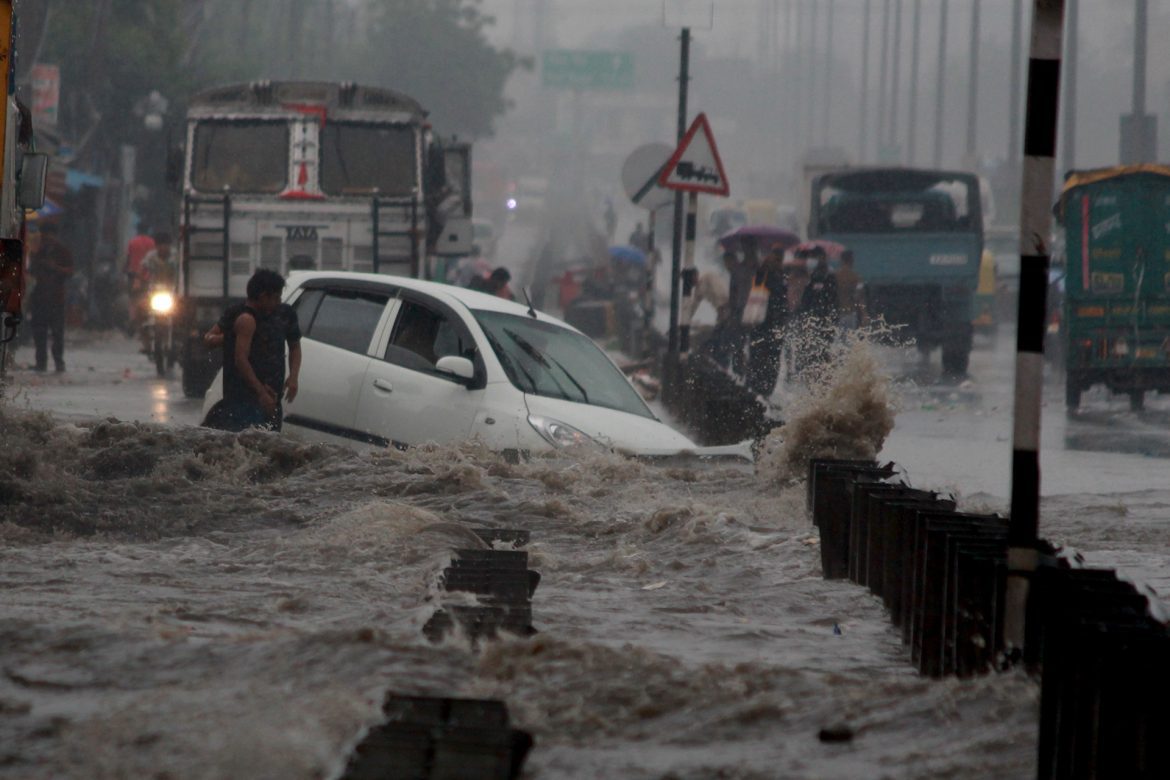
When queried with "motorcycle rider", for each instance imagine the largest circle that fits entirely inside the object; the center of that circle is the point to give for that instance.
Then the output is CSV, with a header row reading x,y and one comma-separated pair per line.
x,y
159,273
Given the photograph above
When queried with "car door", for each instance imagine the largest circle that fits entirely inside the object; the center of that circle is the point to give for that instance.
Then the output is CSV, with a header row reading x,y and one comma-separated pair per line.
x,y
404,398
339,326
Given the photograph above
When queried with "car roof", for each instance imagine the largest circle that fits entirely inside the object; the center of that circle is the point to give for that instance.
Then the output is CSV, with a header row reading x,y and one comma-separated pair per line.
x,y
450,294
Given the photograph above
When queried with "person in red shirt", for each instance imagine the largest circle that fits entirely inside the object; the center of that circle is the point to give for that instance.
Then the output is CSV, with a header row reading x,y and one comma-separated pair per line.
x,y
136,278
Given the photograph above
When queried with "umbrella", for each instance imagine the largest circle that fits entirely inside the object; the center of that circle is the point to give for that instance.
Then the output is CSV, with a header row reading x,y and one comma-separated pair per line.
x,y
49,210
765,235
833,250
627,254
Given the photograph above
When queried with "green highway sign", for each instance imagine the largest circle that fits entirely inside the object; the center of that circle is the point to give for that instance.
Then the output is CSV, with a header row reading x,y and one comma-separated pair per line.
x,y
581,69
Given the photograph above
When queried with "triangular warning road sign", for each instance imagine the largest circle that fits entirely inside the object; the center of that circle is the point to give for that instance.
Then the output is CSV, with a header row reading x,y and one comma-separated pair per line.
x,y
695,165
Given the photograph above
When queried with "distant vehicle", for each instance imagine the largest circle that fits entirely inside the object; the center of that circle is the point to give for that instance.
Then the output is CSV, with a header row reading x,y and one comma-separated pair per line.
x,y
1116,309
483,237
723,220
308,175
1003,242
986,319
398,361
527,199
917,238
22,187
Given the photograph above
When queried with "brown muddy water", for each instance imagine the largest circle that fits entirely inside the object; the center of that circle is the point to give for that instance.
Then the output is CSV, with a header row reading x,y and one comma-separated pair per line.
x,y
182,603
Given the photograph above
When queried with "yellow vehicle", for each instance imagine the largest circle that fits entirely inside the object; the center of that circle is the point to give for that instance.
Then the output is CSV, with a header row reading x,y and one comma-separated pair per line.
x,y
985,320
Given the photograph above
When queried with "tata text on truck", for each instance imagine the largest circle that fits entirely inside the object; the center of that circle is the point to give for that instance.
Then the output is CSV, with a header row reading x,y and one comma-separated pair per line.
x,y
1116,315
917,236
303,176
22,186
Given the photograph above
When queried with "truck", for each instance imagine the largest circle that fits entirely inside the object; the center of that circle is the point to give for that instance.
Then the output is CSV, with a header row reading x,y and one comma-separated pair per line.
x,y
1115,315
297,175
22,187
917,240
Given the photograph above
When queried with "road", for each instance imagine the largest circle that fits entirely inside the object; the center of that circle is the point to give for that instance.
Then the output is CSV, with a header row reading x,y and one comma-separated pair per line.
x,y
185,601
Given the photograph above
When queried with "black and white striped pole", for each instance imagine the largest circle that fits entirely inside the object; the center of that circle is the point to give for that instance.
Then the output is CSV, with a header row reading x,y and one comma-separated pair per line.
x,y
1040,124
688,275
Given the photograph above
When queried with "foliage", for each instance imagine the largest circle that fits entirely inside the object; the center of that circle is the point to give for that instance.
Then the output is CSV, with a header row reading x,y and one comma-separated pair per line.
x,y
113,53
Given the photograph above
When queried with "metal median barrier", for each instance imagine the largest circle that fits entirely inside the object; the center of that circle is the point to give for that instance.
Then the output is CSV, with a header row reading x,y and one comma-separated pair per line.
x,y
1101,657
440,738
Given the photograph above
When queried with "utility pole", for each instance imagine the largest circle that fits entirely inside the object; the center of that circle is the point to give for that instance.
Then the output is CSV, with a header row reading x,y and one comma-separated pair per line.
x,y
940,88
882,77
864,108
912,124
1040,131
1014,109
1068,143
896,79
973,88
826,124
676,245
811,86
1139,131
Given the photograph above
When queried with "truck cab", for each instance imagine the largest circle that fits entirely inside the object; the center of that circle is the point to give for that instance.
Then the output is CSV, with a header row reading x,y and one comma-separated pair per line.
x,y
917,240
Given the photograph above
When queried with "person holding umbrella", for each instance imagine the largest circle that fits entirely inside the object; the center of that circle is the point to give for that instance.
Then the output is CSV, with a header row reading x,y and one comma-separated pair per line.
x,y
766,339
819,312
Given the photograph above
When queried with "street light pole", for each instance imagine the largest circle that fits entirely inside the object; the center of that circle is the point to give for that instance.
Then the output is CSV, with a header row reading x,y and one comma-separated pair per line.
x,y
864,107
940,83
912,125
973,87
676,244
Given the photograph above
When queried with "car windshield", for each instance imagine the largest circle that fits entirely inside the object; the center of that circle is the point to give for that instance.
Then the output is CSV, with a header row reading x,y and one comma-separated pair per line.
x,y
357,159
245,156
546,359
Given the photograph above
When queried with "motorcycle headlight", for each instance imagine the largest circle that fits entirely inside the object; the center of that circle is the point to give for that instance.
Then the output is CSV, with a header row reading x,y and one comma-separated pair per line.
x,y
162,302
558,434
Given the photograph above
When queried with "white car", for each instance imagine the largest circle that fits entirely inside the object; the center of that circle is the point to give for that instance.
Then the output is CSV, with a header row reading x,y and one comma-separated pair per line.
x,y
389,360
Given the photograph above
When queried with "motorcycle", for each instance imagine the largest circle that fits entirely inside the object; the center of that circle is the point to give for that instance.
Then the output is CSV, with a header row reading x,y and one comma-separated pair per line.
x,y
159,330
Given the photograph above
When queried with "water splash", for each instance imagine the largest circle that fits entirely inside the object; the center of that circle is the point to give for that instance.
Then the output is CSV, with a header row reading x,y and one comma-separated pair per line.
x,y
844,409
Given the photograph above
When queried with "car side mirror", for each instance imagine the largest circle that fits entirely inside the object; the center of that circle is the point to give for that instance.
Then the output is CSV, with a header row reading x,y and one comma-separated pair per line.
x,y
458,366
34,168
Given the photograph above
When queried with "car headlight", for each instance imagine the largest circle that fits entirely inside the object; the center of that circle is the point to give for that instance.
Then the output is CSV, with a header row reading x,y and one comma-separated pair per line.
x,y
162,302
559,434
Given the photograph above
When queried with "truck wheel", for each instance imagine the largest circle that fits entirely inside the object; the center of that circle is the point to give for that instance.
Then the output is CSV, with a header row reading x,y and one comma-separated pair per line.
x,y
1072,393
1137,400
955,361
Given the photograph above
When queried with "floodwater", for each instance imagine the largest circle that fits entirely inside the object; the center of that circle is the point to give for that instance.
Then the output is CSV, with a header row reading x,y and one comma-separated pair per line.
x,y
188,603
185,603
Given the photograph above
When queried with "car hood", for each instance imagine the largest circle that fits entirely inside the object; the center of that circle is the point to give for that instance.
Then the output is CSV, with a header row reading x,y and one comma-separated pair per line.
x,y
622,431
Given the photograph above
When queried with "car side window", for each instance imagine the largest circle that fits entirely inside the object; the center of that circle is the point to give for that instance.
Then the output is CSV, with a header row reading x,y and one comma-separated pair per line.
x,y
347,319
306,307
422,335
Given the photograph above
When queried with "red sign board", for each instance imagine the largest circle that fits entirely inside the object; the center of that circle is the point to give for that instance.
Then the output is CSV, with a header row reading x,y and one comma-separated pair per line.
x,y
46,93
695,165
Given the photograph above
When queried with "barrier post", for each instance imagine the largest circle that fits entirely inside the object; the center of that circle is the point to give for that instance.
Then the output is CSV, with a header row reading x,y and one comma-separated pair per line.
x,y
1040,126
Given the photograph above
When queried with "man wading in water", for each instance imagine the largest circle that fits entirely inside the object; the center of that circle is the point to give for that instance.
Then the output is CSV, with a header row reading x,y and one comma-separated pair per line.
x,y
253,335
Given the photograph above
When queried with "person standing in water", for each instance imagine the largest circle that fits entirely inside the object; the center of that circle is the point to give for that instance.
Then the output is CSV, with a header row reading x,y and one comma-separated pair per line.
x,y
253,335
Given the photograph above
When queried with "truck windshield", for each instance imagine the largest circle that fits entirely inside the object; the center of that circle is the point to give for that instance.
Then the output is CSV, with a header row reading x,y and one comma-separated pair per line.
x,y
245,156
357,159
546,359
897,202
